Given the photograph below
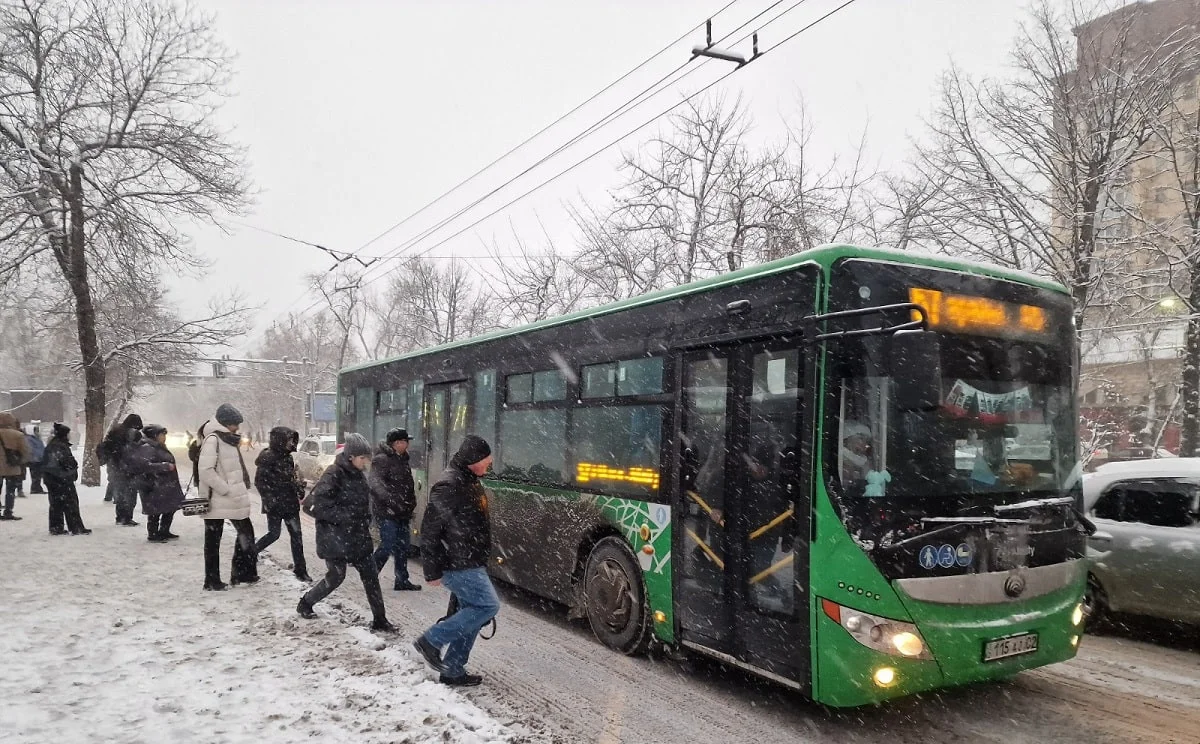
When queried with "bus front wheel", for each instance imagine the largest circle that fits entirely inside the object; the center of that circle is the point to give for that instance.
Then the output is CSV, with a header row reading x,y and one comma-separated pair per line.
x,y
616,597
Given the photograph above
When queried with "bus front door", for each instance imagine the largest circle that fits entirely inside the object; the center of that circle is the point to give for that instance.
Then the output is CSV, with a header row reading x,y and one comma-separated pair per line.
x,y
744,507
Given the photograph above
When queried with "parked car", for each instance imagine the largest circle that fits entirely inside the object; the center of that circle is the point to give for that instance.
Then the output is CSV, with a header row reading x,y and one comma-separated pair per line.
x,y
1146,549
314,454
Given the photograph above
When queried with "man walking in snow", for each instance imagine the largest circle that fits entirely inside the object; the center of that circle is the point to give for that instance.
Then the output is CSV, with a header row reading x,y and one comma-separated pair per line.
x,y
14,455
456,541
341,504
393,498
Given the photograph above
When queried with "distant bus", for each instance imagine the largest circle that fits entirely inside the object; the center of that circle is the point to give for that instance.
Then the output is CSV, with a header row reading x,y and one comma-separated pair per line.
x,y
851,471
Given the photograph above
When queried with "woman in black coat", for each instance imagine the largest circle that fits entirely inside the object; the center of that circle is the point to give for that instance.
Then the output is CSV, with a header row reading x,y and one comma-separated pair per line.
x,y
341,504
152,465
281,491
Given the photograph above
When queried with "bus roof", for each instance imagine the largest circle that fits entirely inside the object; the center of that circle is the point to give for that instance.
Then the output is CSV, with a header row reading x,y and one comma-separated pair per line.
x,y
824,255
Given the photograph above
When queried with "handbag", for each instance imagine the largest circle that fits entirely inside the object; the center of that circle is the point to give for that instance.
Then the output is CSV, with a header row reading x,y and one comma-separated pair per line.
x,y
193,507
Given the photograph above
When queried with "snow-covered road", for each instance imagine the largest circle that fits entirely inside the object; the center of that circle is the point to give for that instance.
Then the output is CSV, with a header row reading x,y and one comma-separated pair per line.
x,y
110,638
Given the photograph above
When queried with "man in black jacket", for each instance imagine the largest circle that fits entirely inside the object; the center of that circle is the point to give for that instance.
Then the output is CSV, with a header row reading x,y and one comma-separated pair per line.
x,y
341,504
60,470
456,541
393,498
281,492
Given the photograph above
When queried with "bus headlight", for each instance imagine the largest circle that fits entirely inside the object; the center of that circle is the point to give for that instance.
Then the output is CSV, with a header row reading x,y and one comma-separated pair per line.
x,y
893,637
885,676
1077,615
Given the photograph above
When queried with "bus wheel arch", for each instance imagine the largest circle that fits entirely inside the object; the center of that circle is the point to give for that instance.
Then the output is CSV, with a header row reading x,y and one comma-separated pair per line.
x,y
614,597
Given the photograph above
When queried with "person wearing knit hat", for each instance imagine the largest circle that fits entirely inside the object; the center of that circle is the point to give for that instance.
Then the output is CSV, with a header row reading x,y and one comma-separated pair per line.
x,y
60,471
341,506
225,482
456,541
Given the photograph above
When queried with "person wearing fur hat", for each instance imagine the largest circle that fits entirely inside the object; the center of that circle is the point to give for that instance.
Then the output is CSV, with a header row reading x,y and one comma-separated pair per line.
x,y
225,482
341,505
60,470
456,541
154,466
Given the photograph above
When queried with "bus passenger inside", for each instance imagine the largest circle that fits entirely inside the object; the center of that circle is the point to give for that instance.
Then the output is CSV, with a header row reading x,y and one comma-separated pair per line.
x,y
856,452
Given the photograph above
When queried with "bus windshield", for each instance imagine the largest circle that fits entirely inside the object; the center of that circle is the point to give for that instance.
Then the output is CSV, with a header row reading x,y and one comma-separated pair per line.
x,y
1004,427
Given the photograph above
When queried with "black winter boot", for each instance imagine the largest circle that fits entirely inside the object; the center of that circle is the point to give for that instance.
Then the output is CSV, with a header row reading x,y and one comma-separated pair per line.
x,y
305,610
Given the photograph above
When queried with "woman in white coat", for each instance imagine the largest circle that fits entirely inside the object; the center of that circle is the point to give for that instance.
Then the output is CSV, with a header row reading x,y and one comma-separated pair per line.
x,y
225,480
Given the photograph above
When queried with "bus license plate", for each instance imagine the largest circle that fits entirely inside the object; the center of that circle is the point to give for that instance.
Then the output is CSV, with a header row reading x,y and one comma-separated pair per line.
x,y
1002,648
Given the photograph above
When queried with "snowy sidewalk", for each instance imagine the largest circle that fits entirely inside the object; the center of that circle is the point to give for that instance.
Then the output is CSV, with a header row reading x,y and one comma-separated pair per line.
x,y
110,638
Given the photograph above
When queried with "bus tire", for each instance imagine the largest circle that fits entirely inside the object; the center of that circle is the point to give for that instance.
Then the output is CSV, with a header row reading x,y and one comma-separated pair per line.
x,y
615,597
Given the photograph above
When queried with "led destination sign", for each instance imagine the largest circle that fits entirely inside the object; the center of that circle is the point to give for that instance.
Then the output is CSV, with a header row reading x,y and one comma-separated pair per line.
x,y
979,315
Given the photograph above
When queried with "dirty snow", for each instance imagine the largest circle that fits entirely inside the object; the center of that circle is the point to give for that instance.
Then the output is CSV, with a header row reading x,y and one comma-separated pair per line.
x,y
110,638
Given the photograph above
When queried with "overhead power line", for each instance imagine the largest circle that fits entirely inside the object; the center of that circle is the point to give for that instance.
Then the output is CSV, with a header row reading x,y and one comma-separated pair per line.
x,y
620,111
364,282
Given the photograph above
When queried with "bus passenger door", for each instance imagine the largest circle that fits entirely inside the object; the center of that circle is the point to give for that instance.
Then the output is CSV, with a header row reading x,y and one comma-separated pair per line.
x,y
770,513
743,507
703,611
445,427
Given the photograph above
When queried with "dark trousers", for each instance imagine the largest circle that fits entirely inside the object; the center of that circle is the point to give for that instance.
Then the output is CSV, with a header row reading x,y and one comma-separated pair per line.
x,y
336,574
12,486
125,494
159,524
274,529
35,478
245,561
393,541
64,507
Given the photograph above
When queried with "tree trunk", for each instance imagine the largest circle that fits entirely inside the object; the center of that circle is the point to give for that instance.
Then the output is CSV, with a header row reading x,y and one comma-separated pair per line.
x,y
1190,435
89,343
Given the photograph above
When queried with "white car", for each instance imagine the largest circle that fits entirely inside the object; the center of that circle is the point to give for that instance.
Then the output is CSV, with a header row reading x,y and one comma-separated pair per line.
x,y
315,453
1145,553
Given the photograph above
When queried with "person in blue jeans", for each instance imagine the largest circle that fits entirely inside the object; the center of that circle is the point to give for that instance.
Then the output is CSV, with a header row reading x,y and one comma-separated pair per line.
x,y
456,544
393,498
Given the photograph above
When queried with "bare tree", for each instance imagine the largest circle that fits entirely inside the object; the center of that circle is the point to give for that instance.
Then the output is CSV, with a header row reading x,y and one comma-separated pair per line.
x,y
1025,168
536,284
107,119
435,305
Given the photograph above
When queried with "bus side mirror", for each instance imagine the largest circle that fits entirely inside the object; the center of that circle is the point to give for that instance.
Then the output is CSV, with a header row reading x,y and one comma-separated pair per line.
x,y
915,364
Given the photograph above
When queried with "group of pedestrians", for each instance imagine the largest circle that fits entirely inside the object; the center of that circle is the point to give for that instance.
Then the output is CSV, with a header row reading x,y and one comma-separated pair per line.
x,y
360,486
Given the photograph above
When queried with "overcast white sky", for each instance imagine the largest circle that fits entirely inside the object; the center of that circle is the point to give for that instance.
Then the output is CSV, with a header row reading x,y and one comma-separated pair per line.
x,y
358,112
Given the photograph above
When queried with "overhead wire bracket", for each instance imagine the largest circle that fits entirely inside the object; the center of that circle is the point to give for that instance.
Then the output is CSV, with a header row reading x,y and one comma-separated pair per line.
x,y
708,50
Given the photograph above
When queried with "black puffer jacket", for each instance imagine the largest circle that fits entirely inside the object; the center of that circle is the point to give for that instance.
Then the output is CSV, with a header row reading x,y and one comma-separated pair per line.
x,y
342,507
59,463
116,443
275,478
393,493
455,533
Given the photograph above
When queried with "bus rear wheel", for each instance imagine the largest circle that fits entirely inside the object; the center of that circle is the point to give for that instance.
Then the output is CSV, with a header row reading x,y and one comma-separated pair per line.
x,y
616,597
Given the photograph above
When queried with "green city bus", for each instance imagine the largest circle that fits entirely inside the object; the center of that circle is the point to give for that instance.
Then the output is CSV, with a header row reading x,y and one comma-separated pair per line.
x,y
851,471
